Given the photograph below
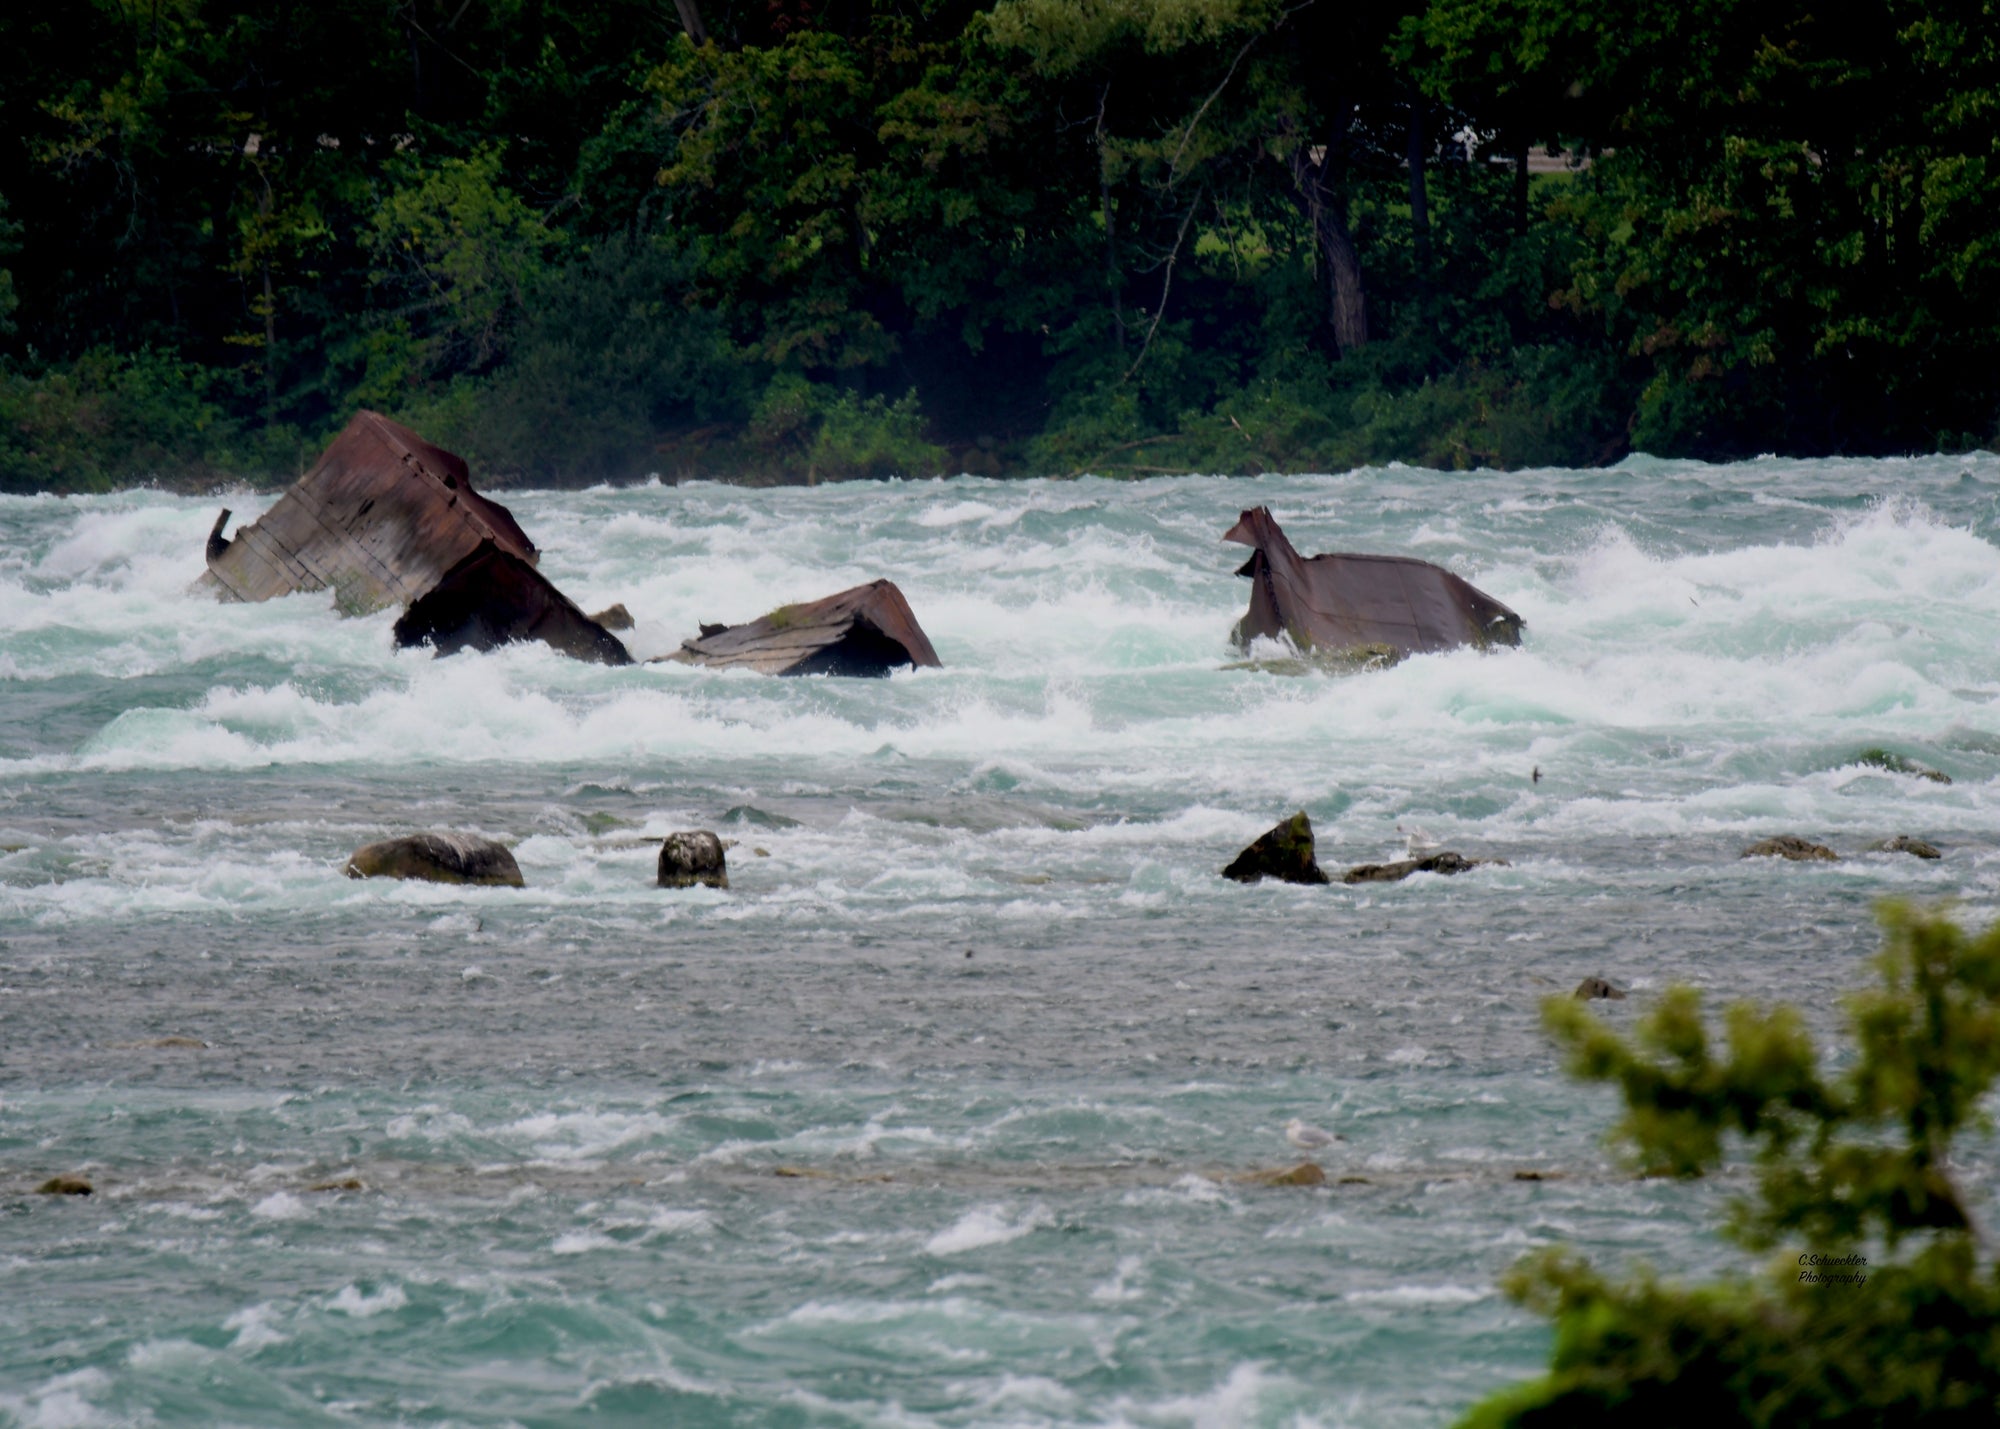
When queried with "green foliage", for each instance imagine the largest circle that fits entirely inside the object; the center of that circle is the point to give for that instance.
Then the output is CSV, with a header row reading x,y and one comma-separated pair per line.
x,y
1853,1166
1110,235
110,419
802,432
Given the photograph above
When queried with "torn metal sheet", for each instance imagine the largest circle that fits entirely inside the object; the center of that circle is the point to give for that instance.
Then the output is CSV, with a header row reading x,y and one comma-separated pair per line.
x,y
869,630
1350,602
386,518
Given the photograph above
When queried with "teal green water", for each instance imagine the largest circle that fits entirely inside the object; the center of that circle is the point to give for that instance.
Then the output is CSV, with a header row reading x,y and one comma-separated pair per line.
x,y
941,1114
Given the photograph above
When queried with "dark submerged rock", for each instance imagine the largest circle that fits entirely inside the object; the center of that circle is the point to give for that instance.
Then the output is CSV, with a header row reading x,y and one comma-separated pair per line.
x,y
1286,852
1306,1173
690,857
438,858
1903,843
1894,763
1596,987
1793,847
1445,862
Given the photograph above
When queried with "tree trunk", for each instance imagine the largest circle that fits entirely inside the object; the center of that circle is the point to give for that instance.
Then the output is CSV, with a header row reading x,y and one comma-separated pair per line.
x,y
1521,188
690,13
1420,204
1321,199
1111,284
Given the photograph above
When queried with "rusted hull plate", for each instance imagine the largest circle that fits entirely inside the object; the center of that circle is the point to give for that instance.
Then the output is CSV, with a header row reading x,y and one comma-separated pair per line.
x,y
1345,601
869,630
494,598
385,518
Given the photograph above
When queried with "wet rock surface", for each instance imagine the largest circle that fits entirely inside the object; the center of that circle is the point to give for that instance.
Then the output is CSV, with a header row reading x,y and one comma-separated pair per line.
x,y
1793,847
438,858
1444,862
693,856
1285,853
1904,843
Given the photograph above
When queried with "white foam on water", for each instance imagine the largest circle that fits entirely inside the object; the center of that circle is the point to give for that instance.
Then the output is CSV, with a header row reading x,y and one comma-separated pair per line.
x,y
358,1304
1235,1402
1406,1295
64,1401
255,1328
281,1206
581,1243
986,1226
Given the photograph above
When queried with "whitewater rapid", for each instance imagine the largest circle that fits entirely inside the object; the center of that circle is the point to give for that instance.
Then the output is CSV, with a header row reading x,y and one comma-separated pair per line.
x,y
976,989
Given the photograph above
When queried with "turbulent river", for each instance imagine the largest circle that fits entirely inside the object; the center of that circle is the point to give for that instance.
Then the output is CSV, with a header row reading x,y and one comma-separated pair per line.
x,y
938,1116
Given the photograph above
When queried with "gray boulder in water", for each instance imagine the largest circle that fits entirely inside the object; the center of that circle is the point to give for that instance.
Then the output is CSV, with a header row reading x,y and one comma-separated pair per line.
x,y
438,858
693,856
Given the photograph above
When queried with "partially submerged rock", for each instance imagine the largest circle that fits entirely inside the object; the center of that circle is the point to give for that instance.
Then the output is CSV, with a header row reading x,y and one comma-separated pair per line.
x,y
691,857
438,858
1286,852
1792,847
1903,843
1592,988
384,518
868,630
1347,603
1894,763
1444,862
1306,1173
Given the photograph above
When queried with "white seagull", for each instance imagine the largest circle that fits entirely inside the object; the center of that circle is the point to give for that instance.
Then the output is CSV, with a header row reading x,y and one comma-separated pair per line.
x,y
1307,1138
1417,843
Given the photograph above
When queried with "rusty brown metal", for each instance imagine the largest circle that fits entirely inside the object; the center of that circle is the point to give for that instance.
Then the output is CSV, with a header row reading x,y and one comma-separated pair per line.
x,y
386,518
869,630
1343,601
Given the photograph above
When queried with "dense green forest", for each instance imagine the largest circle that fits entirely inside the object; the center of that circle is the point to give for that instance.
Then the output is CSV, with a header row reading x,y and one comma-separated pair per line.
x,y
809,239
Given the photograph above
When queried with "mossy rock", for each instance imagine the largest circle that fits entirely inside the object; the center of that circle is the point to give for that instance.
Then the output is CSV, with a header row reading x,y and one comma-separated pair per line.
x,y
1444,862
1903,843
1793,847
1894,763
1285,853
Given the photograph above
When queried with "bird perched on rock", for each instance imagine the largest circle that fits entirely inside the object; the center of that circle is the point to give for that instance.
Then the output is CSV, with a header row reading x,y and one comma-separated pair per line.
x,y
1307,1138
1417,843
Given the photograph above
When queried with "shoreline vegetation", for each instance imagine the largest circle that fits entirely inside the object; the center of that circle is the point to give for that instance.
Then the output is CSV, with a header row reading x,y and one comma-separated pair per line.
x,y
811,240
